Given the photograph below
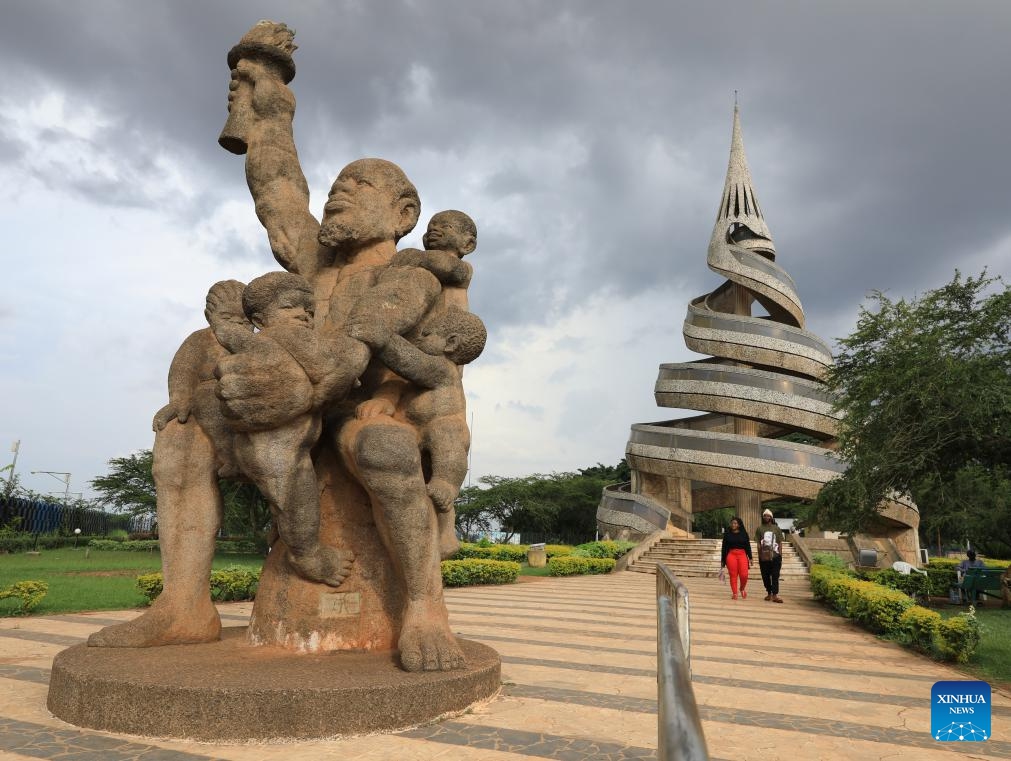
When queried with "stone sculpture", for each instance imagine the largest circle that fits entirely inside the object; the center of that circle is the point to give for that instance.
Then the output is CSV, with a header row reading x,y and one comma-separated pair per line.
x,y
345,407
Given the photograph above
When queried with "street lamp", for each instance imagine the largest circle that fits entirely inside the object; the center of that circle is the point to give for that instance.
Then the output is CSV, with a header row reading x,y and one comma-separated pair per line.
x,y
56,474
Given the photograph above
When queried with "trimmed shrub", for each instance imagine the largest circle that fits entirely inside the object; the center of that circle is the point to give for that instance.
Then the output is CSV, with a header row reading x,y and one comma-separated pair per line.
x,y
516,553
228,584
918,626
957,638
604,549
240,547
891,612
913,584
575,565
873,605
27,593
150,585
234,583
557,550
463,573
125,545
13,543
829,560
118,535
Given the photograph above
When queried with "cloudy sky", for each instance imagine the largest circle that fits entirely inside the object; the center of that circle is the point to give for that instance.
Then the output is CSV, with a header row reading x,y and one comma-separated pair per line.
x,y
589,141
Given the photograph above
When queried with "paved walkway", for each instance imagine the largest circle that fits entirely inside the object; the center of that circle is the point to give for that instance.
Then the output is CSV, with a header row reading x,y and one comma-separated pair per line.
x,y
578,661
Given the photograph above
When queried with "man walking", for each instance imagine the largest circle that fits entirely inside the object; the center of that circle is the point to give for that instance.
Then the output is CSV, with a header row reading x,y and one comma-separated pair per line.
x,y
770,555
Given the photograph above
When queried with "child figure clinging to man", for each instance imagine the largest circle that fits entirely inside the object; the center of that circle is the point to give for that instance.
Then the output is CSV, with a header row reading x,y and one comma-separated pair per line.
x,y
273,443
430,357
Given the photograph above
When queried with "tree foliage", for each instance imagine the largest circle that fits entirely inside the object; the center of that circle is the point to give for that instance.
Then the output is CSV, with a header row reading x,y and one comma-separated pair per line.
x,y
556,506
924,389
129,488
129,485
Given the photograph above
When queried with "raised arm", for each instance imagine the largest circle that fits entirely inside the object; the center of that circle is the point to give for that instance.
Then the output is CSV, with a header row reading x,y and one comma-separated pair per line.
x,y
273,172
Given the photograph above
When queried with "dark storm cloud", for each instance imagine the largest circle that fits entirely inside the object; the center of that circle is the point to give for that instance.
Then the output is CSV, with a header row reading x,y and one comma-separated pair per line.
x,y
876,132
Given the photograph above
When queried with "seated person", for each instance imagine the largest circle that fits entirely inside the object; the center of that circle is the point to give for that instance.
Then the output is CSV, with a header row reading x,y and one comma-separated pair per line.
x,y
969,562
436,405
273,442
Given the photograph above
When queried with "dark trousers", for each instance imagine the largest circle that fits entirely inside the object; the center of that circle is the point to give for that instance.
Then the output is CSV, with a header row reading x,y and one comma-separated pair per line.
x,y
770,574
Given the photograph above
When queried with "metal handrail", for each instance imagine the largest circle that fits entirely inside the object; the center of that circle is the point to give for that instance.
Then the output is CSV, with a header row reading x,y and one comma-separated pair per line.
x,y
679,727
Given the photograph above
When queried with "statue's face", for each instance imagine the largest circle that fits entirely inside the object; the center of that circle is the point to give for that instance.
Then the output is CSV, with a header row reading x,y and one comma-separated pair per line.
x,y
444,234
429,338
289,308
360,209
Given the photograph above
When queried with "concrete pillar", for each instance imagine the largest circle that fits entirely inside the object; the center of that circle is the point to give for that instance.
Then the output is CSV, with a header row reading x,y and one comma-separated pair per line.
x,y
747,503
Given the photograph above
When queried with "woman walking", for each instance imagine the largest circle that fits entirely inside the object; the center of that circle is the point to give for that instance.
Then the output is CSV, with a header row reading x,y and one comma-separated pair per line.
x,y
735,555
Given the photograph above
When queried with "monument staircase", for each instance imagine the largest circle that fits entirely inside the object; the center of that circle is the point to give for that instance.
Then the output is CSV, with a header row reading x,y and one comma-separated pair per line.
x,y
692,558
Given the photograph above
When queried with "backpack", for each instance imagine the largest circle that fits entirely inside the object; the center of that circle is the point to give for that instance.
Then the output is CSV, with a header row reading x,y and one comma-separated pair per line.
x,y
767,551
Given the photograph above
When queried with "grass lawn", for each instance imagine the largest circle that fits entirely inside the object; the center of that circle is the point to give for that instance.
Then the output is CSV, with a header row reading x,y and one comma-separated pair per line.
x,y
992,661
526,570
92,580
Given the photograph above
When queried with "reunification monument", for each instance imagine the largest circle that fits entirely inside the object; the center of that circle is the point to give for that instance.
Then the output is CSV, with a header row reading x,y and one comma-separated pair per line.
x,y
761,382
335,386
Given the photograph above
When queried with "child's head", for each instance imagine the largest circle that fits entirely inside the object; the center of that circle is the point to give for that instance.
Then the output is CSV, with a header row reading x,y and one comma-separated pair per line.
x,y
224,302
451,230
278,298
457,334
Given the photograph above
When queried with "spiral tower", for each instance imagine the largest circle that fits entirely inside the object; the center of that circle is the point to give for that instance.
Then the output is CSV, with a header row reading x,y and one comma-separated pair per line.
x,y
768,424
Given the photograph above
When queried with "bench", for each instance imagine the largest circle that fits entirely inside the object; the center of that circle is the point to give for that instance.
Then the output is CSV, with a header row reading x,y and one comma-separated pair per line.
x,y
983,581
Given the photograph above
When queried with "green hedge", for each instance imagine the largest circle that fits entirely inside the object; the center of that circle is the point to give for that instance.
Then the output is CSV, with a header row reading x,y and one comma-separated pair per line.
x,y
241,584
516,553
228,584
891,612
605,549
575,565
124,545
913,584
11,543
27,593
463,573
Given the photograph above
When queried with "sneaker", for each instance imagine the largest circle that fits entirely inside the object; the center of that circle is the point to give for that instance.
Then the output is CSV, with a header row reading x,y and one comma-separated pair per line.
x,y
768,597
777,598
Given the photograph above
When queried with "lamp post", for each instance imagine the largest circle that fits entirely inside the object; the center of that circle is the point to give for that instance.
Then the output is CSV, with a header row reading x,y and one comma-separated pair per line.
x,y
56,474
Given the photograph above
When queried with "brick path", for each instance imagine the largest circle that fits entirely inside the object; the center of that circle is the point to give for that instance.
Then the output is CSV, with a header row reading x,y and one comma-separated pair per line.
x,y
578,661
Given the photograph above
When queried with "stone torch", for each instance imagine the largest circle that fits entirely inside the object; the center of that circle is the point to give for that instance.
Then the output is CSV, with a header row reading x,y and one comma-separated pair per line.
x,y
270,44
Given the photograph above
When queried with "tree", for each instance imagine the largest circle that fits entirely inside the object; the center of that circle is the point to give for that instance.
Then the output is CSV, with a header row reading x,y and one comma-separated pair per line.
x,y
924,389
129,485
562,506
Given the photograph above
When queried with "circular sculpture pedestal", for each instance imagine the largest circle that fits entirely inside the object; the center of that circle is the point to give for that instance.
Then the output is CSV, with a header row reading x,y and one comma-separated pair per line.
x,y
231,691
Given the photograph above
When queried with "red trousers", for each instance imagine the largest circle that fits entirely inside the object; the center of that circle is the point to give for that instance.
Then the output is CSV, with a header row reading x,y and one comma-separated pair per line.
x,y
737,565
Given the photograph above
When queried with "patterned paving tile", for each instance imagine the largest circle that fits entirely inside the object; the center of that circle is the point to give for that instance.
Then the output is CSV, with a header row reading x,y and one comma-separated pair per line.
x,y
39,741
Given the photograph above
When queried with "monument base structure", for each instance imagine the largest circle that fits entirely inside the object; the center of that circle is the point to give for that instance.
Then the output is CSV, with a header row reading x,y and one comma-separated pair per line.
x,y
230,691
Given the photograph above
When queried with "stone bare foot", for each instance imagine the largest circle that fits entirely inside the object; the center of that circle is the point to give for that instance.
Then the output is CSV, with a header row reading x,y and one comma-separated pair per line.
x,y
163,624
325,565
426,643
